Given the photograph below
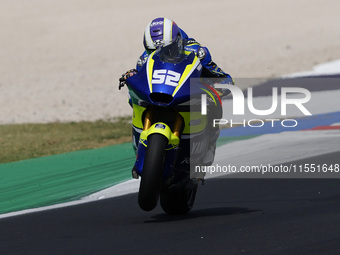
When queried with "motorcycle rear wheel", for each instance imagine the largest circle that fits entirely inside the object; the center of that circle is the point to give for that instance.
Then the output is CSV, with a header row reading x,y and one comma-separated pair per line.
x,y
179,200
151,178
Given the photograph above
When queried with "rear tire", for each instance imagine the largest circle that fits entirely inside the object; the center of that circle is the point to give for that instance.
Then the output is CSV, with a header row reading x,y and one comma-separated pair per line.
x,y
152,172
179,200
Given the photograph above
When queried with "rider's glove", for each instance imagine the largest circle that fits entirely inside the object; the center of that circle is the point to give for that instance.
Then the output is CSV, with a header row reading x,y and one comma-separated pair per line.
x,y
126,75
121,82
224,81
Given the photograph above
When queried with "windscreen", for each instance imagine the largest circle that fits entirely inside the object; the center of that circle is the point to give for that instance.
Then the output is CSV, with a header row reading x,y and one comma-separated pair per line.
x,y
173,53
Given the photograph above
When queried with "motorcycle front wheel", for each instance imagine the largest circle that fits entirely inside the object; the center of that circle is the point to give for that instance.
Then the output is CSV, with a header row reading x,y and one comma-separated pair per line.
x,y
151,177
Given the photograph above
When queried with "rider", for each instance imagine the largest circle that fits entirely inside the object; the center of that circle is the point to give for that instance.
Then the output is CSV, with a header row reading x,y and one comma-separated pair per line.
x,y
162,32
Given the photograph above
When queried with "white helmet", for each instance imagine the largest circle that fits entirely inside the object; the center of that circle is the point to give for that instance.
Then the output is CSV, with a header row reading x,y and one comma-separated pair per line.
x,y
160,32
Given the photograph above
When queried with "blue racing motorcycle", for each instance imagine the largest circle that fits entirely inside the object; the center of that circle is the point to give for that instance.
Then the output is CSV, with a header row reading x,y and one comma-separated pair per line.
x,y
169,132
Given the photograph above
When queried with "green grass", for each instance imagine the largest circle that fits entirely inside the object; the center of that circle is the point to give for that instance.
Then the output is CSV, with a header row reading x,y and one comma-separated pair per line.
x,y
25,141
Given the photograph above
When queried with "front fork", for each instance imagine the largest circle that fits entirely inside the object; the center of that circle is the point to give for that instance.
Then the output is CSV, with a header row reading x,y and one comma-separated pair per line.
x,y
178,124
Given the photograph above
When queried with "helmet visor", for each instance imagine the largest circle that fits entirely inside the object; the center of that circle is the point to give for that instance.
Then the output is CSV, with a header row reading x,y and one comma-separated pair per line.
x,y
173,53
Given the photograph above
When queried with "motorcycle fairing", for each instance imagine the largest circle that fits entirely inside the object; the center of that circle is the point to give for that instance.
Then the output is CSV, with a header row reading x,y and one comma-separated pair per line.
x,y
169,78
165,78
159,77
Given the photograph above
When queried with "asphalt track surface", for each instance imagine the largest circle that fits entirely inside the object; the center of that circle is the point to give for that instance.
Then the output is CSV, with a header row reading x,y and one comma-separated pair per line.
x,y
230,216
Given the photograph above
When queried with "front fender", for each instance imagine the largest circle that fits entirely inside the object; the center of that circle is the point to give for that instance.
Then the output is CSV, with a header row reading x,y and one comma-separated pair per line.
x,y
160,128
173,142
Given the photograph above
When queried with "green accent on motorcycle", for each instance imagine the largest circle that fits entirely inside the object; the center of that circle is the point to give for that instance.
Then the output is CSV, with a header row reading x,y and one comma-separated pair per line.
x,y
137,116
210,95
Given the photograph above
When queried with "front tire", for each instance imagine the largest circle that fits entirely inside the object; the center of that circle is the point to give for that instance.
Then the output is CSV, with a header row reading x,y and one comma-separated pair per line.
x,y
151,178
